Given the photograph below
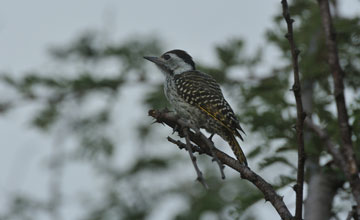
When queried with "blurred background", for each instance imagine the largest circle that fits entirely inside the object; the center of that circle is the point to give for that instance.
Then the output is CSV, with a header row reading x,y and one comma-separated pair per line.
x,y
76,141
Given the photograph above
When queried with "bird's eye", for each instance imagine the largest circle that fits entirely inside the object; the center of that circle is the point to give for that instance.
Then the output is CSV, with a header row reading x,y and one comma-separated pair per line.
x,y
166,57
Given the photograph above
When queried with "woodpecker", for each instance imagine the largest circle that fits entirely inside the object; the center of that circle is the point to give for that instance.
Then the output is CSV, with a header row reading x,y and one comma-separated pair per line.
x,y
198,98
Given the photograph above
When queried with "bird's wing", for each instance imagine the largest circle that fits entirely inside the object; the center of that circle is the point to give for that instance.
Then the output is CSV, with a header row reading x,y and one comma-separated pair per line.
x,y
202,91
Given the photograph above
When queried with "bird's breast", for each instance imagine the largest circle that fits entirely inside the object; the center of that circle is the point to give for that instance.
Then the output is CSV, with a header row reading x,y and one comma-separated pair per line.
x,y
183,108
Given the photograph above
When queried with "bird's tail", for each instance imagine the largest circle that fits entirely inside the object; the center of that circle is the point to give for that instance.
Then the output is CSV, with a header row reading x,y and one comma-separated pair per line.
x,y
235,146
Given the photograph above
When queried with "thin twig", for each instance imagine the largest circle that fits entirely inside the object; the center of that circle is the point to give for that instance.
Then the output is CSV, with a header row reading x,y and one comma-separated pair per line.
x,y
183,124
351,170
200,177
300,113
215,158
221,166
179,144
246,173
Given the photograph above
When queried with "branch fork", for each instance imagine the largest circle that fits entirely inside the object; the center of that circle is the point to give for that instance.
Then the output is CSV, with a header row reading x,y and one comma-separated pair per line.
x,y
202,145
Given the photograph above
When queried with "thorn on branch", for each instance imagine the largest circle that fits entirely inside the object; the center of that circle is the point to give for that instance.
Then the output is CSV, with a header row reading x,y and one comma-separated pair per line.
x,y
295,187
295,88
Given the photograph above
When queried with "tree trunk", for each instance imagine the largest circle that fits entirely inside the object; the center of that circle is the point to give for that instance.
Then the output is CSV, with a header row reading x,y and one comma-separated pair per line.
x,y
321,191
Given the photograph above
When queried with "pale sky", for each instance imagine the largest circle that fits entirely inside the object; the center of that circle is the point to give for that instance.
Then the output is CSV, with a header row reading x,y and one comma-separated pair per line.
x,y
29,28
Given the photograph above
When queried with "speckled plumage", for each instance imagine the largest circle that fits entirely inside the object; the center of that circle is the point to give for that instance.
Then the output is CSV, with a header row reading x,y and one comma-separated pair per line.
x,y
198,98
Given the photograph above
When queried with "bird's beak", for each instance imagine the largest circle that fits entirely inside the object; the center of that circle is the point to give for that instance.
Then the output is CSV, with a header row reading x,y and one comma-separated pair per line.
x,y
156,60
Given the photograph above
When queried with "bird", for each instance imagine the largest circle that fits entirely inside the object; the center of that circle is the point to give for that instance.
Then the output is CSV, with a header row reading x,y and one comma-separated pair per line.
x,y
198,98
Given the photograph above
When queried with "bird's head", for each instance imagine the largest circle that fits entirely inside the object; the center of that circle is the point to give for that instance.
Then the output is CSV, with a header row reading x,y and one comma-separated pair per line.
x,y
173,62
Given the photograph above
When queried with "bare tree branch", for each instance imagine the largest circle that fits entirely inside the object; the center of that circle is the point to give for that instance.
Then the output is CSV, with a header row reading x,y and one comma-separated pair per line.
x,y
351,170
187,125
209,143
200,177
300,113
203,147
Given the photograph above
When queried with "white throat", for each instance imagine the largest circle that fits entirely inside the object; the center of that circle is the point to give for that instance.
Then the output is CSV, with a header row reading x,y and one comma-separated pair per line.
x,y
182,68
